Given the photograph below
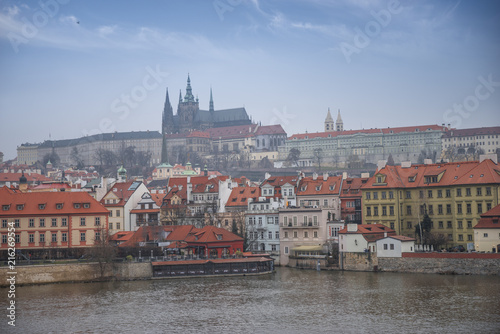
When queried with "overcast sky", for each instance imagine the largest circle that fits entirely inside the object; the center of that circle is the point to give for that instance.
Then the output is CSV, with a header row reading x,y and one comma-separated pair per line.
x,y
72,68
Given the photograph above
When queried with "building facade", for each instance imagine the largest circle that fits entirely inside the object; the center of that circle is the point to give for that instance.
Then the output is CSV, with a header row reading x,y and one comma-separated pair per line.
x,y
454,195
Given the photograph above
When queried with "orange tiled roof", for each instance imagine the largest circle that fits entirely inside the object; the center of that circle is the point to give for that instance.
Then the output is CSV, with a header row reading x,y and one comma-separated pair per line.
x,y
308,186
352,186
452,173
490,219
120,190
31,177
32,203
240,195
210,234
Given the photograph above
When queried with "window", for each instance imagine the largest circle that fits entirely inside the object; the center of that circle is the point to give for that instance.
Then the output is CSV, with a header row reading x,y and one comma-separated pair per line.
x,y
392,225
488,191
294,220
286,235
448,209
110,226
440,224
450,237
368,211
448,224
384,211
479,208
469,208
479,191
97,221
440,193
375,210
459,208
429,193
4,238
409,225
285,221
469,224
383,195
64,222
391,210
367,195
408,194
76,205
277,235
459,192
448,193
392,246
315,234
82,236
82,221
467,192
17,238
391,195
286,250
41,206
54,222
460,224
325,202
385,247
4,223
86,205
488,206
485,235
306,235
31,222
42,222
408,209
270,235
54,237
111,213
375,195
42,238
64,237
118,226
118,213
305,220
440,209
431,209
469,237
16,222
295,234
98,236
460,237
315,220
31,237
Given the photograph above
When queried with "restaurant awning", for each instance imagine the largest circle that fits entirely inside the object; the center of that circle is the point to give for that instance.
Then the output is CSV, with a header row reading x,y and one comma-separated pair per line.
x,y
308,248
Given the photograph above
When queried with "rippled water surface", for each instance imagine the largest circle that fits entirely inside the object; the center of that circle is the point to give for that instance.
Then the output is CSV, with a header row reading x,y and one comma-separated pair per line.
x,y
289,301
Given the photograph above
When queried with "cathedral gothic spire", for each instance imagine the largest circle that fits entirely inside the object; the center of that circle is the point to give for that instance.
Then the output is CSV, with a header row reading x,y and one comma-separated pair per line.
x,y
211,106
189,92
329,125
340,123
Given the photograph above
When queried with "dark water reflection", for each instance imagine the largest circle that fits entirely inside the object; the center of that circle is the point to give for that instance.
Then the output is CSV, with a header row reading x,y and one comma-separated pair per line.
x,y
290,301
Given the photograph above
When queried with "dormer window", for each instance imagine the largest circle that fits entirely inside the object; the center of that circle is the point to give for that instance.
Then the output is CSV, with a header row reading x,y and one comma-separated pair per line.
x,y
86,205
19,206
318,188
59,206
411,178
332,187
76,205
219,236
41,206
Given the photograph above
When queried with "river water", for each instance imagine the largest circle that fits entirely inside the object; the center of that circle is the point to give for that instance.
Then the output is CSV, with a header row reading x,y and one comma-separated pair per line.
x,y
288,301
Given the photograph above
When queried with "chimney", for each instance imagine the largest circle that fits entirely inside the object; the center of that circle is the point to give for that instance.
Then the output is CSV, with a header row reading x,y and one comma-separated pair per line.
x,y
352,227
405,164
385,234
266,176
365,175
344,175
381,164
443,126
315,176
325,176
427,161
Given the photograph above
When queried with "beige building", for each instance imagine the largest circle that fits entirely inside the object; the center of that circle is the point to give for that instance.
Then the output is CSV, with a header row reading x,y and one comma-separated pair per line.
x,y
467,144
487,232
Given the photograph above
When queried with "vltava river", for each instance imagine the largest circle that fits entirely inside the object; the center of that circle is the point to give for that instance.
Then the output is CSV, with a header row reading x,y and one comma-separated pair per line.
x,y
289,301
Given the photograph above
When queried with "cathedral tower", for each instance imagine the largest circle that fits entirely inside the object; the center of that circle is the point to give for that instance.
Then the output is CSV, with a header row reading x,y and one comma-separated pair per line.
x,y
329,126
187,109
340,124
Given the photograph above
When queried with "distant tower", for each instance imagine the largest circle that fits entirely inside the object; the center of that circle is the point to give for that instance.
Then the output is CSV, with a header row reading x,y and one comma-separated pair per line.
x,y
211,106
187,109
122,174
340,124
329,126
167,125
23,183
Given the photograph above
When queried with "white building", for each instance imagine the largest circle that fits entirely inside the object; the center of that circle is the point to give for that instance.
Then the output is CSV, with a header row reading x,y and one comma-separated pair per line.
x,y
394,246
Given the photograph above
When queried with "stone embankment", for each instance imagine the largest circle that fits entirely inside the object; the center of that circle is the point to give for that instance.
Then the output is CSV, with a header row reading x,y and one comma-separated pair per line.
x,y
77,272
426,263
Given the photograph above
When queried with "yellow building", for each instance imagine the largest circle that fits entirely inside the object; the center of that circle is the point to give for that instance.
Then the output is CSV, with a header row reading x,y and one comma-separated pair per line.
x,y
454,195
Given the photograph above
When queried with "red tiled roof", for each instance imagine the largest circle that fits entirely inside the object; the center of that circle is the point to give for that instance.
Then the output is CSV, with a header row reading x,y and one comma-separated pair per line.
x,y
121,236
199,134
270,130
420,128
54,185
490,219
158,198
120,190
369,229
232,132
240,195
401,237
452,173
14,177
31,202
210,233
351,187
308,186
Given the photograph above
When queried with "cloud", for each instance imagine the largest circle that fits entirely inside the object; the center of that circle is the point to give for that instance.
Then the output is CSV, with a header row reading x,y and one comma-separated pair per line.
x,y
12,11
68,19
104,31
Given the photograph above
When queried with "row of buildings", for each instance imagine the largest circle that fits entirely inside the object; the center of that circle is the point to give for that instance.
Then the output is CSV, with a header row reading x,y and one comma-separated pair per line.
x,y
208,133
286,216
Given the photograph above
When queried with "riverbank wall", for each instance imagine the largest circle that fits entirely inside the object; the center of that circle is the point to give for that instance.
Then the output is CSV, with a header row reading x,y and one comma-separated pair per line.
x,y
77,272
425,263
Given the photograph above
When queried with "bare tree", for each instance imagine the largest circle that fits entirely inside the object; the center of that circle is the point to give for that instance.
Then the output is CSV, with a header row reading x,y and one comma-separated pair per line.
x,y
318,156
76,157
102,251
293,157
